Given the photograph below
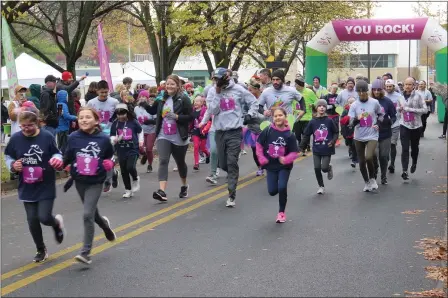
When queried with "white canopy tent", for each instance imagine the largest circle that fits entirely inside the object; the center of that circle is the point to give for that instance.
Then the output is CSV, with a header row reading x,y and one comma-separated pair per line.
x,y
29,71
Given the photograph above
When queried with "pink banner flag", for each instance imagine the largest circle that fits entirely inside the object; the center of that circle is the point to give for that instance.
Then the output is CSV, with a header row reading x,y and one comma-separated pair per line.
x,y
104,59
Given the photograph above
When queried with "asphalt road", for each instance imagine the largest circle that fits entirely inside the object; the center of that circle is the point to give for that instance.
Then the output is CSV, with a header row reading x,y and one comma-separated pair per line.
x,y
344,243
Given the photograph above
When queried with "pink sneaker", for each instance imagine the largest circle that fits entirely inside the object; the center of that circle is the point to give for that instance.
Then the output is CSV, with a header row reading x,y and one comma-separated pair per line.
x,y
281,217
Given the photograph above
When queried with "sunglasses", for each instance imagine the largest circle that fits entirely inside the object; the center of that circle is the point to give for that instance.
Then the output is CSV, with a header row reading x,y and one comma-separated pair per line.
x,y
121,112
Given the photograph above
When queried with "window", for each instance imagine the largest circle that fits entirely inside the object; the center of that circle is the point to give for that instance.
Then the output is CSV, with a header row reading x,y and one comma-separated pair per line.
x,y
362,61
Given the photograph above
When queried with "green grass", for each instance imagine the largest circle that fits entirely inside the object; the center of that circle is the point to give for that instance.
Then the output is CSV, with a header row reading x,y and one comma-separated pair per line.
x,y
5,173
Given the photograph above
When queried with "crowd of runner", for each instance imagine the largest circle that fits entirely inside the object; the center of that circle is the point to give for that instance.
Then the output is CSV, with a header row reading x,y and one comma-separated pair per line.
x,y
54,132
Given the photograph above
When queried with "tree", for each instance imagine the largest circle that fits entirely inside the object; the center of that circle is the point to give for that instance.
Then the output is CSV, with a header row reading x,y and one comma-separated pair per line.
x,y
66,22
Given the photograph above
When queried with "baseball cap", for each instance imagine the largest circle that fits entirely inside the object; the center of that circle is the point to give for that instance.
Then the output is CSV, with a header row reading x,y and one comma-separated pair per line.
x,y
19,87
400,83
390,82
122,106
66,76
220,72
50,78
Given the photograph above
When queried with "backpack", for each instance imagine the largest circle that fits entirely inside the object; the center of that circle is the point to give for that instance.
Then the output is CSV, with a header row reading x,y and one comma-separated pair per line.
x,y
52,113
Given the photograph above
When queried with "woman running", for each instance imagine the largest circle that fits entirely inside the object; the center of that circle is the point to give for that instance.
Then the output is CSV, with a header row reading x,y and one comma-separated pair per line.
x,y
124,134
32,153
365,116
198,136
325,133
174,115
276,151
89,152
147,121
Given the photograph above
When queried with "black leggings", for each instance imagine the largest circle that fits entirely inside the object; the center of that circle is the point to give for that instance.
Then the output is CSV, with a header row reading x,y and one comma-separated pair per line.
x,y
321,164
409,137
425,120
128,168
40,213
254,153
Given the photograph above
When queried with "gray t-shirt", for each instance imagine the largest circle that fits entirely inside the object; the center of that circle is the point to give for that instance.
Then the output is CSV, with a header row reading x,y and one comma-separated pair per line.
x,y
426,95
142,116
169,130
343,97
284,97
395,98
104,108
370,111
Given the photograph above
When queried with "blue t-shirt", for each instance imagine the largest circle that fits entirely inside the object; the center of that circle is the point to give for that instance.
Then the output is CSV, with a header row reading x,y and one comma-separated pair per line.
x,y
85,153
129,130
37,181
324,130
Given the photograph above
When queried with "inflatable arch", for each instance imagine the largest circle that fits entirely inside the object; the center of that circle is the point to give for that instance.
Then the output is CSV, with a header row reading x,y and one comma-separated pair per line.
x,y
427,30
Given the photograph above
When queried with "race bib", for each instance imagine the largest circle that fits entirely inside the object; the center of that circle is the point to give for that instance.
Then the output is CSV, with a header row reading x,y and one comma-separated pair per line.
x,y
169,128
227,104
366,121
32,175
126,134
87,166
408,116
275,151
104,116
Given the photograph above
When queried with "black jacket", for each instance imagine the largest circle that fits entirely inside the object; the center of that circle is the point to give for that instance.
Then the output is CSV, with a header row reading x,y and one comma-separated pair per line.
x,y
69,88
90,95
181,106
48,107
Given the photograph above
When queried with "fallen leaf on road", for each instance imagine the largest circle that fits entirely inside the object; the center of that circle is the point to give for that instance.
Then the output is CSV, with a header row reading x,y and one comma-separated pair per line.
x,y
414,212
443,177
437,273
186,275
437,293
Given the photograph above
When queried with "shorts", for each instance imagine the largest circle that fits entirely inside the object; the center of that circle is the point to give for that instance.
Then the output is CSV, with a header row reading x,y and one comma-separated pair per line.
x,y
395,135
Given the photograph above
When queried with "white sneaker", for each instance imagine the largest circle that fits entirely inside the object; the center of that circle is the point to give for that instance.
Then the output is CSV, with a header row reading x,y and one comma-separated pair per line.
x,y
367,187
211,179
243,152
136,185
321,190
202,160
373,184
230,202
175,169
127,194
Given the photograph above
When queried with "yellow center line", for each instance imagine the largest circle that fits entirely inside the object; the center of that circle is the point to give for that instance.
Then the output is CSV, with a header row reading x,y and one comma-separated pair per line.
x,y
67,263
116,230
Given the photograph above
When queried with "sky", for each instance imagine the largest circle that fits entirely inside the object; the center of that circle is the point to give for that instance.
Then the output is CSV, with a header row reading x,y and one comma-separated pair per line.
x,y
398,9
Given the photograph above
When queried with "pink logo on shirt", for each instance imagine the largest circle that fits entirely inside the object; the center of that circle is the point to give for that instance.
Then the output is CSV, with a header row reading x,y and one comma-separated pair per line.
x,y
321,134
332,100
86,165
366,120
142,119
169,128
104,116
32,175
227,104
408,116
126,133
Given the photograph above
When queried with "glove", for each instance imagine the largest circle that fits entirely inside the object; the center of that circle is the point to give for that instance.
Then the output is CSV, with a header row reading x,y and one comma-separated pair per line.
x,y
171,116
108,164
56,163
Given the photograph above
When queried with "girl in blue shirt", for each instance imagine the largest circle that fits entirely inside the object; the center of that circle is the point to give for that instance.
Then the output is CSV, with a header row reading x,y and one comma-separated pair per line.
x,y
32,153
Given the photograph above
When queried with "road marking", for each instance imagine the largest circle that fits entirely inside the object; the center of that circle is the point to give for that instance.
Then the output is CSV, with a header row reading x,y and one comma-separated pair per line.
x,y
116,230
67,263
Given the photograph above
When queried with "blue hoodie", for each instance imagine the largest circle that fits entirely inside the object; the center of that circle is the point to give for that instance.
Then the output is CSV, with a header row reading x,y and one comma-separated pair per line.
x,y
64,118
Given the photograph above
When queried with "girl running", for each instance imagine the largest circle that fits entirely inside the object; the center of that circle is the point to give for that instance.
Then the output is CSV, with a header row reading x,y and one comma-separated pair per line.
x,y
89,152
32,153
325,133
147,121
124,134
174,114
199,139
276,150
348,132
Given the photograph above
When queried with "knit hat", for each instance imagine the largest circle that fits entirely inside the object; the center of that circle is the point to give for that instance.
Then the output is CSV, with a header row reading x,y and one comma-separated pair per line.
x,y
321,102
300,81
350,79
279,74
144,93
378,84
316,77
362,86
66,76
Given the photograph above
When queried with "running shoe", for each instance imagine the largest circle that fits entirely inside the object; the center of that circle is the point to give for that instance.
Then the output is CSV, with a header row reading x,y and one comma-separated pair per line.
x,y
207,160
59,234
175,169
143,160
353,164
196,168
84,258
303,153
321,190
391,169
183,191
442,137
159,195
40,256
367,187
330,172
127,194
384,180
405,176
230,202
136,185
149,169
115,181
243,152
260,172
281,217
373,184
212,179
202,160
413,168
107,187
108,232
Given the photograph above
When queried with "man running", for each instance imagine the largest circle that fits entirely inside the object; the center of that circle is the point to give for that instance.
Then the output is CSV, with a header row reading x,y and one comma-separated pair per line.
x,y
310,99
395,98
348,92
411,106
320,90
265,78
225,101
